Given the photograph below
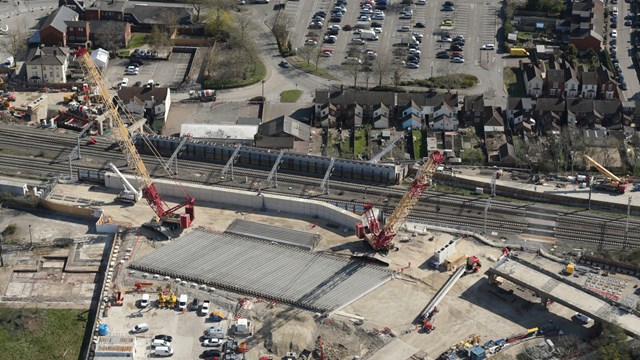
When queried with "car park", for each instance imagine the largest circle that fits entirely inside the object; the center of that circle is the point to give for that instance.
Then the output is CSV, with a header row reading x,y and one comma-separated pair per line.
x,y
488,47
404,28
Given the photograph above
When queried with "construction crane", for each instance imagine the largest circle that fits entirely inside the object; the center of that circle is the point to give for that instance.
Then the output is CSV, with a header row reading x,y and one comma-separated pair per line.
x,y
164,213
381,238
615,184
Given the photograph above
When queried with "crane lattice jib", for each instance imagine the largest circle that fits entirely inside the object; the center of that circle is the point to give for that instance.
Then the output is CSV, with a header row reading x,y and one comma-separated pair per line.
x,y
384,238
602,169
122,136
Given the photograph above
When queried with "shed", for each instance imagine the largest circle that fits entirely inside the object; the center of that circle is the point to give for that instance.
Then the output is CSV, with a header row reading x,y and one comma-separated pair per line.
x,y
477,353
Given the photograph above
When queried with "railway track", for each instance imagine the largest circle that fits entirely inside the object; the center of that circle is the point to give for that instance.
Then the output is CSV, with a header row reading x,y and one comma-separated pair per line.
x,y
446,209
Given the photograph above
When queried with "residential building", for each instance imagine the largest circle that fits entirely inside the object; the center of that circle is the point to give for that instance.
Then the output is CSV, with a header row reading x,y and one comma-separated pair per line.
x,y
106,10
47,65
534,76
549,114
152,103
493,120
326,115
589,83
473,110
380,116
507,155
78,33
53,31
353,117
587,24
607,86
519,110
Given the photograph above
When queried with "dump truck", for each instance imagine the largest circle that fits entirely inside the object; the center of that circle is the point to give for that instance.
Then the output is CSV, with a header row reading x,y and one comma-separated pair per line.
x,y
518,52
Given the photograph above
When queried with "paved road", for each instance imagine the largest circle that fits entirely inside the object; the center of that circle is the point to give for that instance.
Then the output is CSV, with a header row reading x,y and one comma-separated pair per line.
x,y
625,53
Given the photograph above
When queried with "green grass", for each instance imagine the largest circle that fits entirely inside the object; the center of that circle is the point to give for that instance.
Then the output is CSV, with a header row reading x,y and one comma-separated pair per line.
x,y
417,143
454,81
258,74
290,96
137,40
41,333
514,82
359,143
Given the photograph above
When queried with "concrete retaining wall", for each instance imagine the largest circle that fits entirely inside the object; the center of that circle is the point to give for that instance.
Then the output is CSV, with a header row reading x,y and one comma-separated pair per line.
x,y
232,197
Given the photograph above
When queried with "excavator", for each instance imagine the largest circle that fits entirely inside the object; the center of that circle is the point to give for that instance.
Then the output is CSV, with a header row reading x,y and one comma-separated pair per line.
x,y
118,296
172,299
473,265
615,184
381,238
140,285
166,216
162,300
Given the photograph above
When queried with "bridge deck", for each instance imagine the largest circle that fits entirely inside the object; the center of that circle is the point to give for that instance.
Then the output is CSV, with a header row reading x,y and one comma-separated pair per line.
x,y
565,294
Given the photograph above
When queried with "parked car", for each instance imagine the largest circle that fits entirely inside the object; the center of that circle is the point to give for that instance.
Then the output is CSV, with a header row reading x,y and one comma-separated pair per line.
x,y
347,27
144,302
358,41
456,48
419,25
488,47
204,310
124,82
162,351
164,337
583,318
376,24
444,39
447,22
211,352
412,65
614,34
160,342
448,8
404,28
457,60
212,342
284,64
140,328
442,55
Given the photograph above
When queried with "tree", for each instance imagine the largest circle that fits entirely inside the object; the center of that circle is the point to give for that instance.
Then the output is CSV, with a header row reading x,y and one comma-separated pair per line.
x,y
219,21
573,52
245,26
107,37
14,42
353,68
280,27
398,73
308,53
472,156
198,6
159,38
382,67
367,72
522,150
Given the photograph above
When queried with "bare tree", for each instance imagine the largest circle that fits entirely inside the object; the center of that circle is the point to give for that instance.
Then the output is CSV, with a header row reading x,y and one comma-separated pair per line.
x,y
382,67
449,77
308,53
198,6
159,38
245,26
398,73
107,37
367,73
353,68
15,42
280,27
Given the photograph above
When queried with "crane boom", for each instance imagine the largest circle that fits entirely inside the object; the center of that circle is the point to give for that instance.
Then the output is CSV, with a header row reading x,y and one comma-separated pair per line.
x,y
381,239
603,170
127,146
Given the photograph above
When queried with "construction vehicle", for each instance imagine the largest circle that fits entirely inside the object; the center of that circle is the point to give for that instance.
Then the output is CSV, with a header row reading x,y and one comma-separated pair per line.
x,y
118,296
201,96
129,194
473,265
171,300
614,184
165,215
162,300
427,321
319,348
140,285
381,238
568,270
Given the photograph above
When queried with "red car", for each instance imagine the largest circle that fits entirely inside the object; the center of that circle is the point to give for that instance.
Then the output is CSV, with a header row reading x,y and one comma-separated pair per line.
x,y
347,27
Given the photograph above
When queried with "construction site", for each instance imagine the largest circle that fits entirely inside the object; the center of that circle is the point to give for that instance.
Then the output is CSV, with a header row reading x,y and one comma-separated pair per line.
x,y
239,267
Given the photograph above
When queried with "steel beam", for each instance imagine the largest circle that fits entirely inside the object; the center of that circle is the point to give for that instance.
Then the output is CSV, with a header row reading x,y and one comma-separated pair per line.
x,y
389,147
230,162
273,175
81,135
174,156
324,185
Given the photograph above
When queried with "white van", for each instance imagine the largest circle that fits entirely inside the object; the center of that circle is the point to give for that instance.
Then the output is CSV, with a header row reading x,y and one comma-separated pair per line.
x,y
144,302
182,302
162,351
140,328
583,318
160,343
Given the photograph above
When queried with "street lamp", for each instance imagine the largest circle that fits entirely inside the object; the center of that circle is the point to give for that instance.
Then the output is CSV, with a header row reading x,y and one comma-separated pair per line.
x,y
263,90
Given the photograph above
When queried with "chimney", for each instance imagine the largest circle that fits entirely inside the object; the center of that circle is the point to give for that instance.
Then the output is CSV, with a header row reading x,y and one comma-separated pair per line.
x,y
55,52
153,100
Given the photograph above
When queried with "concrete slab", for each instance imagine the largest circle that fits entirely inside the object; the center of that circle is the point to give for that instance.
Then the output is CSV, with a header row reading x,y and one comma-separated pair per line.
x,y
396,349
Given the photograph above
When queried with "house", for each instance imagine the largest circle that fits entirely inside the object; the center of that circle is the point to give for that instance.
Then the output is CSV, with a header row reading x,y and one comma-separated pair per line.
x,y
534,76
549,114
412,121
580,112
507,154
78,33
150,102
571,82
75,5
607,86
380,116
106,10
555,82
612,114
145,16
284,132
111,35
519,110
473,109
444,122
225,134
353,117
434,102
493,120
53,31
589,82
326,115
587,24
47,64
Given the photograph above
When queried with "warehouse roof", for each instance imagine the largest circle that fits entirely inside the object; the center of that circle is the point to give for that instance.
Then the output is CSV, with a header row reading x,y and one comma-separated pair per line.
x,y
267,232
287,274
